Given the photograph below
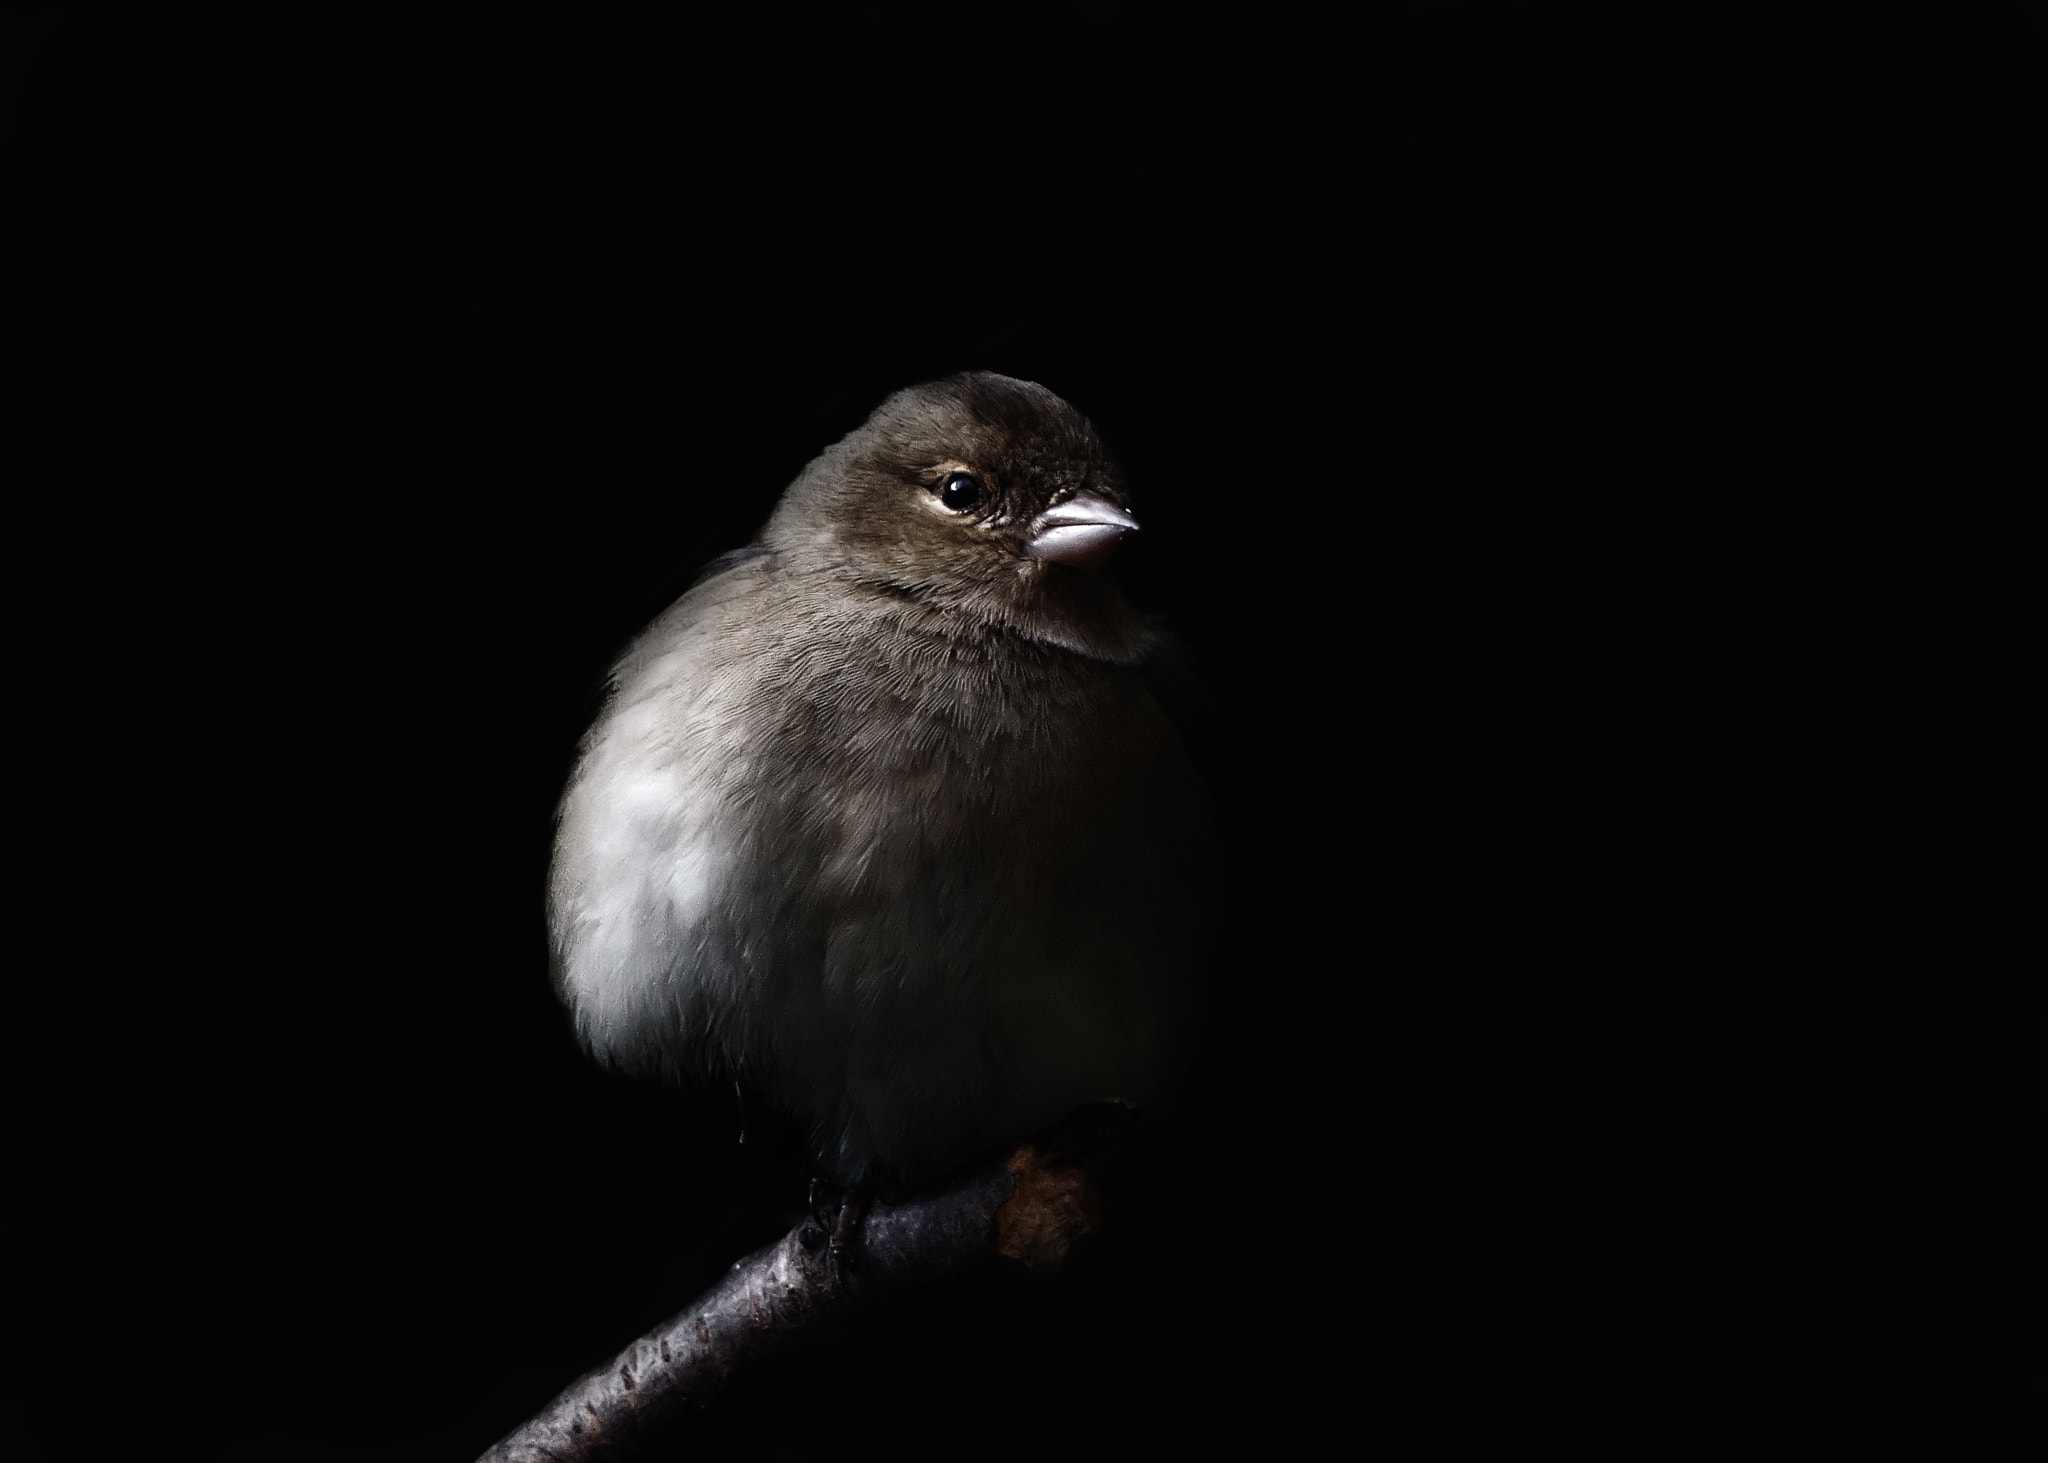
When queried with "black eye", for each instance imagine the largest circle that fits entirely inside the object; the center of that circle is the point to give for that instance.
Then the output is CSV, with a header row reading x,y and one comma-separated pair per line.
x,y
960,491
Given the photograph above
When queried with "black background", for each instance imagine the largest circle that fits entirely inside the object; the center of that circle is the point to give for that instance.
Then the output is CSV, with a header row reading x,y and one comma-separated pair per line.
x,y
1482,373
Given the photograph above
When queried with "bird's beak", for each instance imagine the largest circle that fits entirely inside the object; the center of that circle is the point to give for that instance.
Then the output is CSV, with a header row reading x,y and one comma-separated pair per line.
x,y
1083,531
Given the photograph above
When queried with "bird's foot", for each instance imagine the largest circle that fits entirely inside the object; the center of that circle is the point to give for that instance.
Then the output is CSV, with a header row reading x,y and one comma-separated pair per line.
x,y
841,1226
853,1203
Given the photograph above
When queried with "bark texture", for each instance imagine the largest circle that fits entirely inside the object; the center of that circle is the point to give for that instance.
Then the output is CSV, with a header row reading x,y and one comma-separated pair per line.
x,y
791,1296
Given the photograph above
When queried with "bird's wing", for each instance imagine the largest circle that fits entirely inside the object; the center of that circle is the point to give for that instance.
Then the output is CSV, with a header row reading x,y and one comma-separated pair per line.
x,y
645,846
730,559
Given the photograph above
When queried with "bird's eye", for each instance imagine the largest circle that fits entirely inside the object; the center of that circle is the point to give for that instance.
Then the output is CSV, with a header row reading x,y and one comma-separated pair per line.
x,y
960,491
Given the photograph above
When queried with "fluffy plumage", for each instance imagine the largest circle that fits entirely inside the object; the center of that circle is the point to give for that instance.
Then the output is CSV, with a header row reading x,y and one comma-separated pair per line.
x,y
882,818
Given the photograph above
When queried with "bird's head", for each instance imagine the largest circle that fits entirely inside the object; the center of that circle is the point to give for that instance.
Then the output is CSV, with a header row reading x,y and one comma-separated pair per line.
x,y
981,496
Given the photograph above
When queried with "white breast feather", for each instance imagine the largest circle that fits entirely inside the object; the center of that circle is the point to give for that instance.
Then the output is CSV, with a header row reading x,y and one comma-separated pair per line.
x,y
641,874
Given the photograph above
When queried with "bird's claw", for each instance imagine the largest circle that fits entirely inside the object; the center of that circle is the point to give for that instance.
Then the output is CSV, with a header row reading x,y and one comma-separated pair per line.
x,y
843,1228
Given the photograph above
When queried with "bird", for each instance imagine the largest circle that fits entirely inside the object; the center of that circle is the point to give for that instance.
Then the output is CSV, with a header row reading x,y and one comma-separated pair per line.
x,y
887,821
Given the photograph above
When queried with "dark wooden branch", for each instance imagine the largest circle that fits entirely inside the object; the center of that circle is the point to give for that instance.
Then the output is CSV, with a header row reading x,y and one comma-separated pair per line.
x,y
791,1296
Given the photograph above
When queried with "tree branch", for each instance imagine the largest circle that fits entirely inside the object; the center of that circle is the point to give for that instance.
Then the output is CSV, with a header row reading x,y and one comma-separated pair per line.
x,y
790,1296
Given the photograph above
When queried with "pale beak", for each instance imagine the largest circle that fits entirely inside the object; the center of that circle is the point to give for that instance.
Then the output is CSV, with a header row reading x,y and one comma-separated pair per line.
x,y
1083,531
